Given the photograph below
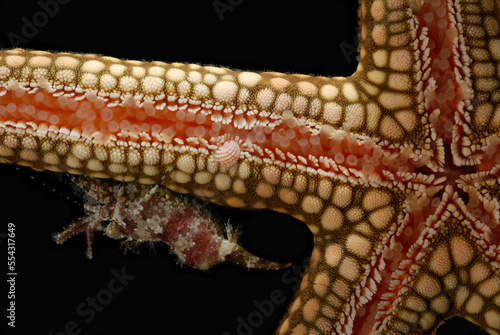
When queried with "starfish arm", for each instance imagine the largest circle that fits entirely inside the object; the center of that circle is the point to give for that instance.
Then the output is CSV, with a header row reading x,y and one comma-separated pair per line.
x,y
393,66
451,269
362,160
236,138
219,134
476,128
222,134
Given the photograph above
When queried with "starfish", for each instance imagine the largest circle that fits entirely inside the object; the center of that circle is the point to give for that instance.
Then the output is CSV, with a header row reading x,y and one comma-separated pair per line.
x,y
393,169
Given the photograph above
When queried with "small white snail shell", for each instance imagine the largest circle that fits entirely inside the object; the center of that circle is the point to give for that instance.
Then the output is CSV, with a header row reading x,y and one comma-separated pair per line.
x,y
228,154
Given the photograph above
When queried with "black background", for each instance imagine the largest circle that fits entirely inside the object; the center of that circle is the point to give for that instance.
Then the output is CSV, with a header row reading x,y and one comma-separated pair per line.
x,y
301,37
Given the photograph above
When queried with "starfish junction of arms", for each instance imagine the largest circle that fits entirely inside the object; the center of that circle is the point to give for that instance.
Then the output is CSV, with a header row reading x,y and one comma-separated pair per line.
x,y
394,169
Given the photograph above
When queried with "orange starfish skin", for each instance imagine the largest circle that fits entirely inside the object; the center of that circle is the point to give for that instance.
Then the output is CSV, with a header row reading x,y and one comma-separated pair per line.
x,y
362,160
